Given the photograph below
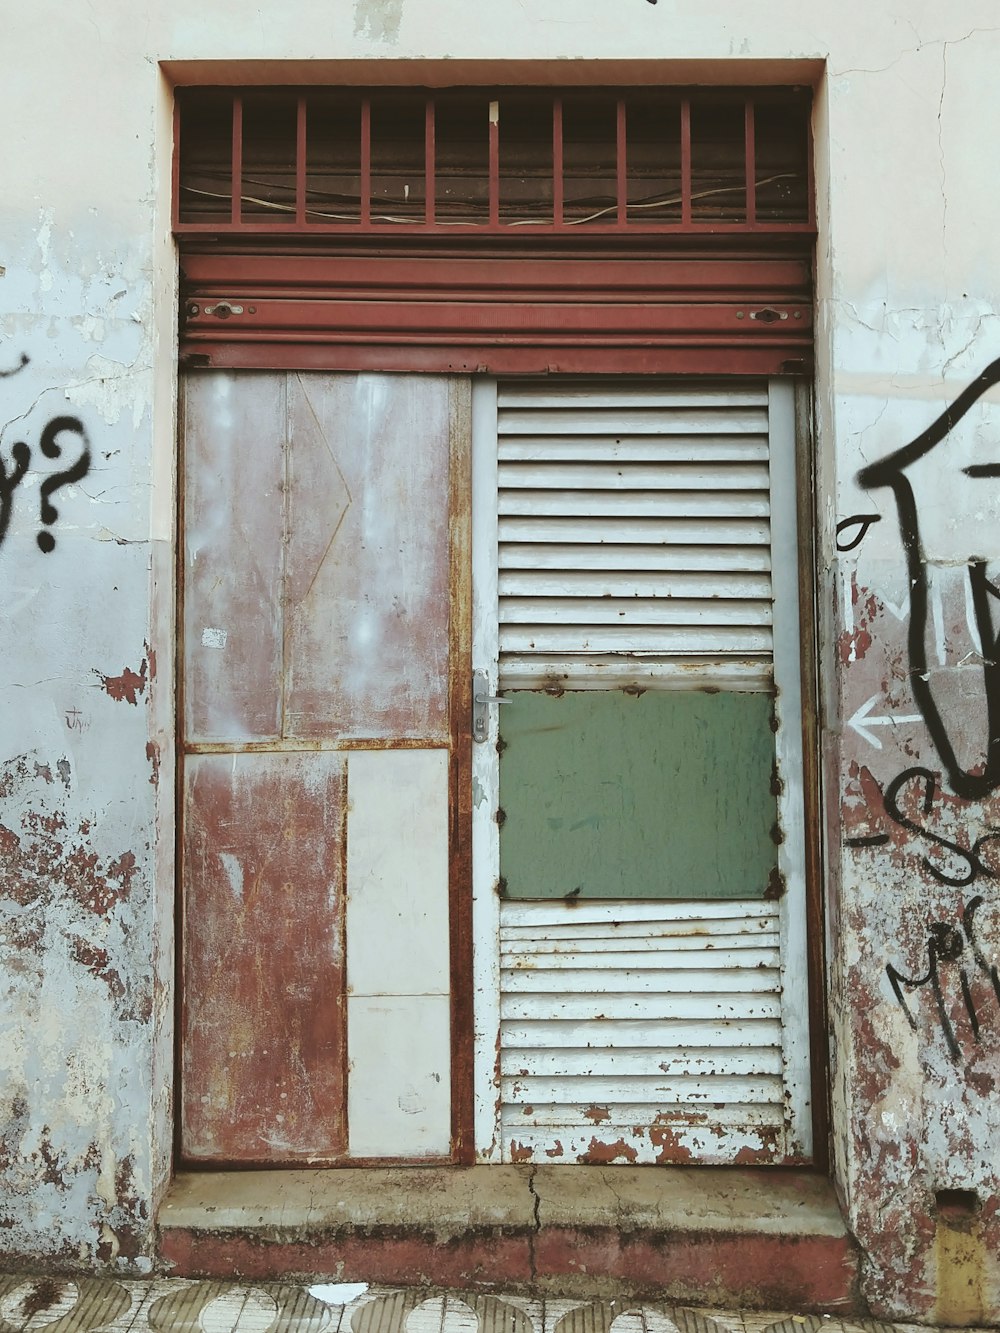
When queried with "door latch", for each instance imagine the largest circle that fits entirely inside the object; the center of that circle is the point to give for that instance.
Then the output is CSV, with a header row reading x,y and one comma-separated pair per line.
x,y
481,700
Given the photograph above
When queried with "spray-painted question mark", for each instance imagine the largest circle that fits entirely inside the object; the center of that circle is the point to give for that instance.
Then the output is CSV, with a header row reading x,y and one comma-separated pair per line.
x,y
46,541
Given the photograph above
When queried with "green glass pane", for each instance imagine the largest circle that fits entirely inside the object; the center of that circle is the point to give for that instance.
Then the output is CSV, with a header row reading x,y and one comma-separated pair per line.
x,y
661,795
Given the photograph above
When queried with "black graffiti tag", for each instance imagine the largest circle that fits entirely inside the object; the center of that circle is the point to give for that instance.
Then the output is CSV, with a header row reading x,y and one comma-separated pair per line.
x,y
14,369
20,455
860,523
971,856
890,471
948,944
894,810
9,482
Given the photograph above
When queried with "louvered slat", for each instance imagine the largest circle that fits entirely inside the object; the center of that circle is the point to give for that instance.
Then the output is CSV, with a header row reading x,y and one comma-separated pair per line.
x,y
626,448
626,529
606,1118
620,1062
727,983
630,583
662,949
655,957
634,533
616,474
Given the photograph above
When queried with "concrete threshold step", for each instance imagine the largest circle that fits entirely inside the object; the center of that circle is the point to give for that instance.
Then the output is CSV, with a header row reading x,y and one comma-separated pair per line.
x,y
744,1238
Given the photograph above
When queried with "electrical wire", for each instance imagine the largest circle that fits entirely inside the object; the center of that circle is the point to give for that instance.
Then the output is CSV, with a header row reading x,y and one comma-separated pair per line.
x,y
670,201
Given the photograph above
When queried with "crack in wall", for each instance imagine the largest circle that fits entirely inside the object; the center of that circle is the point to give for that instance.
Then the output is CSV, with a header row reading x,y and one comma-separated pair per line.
x,y
536,1230
910,51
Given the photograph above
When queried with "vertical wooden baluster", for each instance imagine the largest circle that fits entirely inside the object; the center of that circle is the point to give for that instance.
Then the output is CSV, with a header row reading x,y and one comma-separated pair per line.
x,y
366,162
621,157
557,161
300,162
236,184
685,162
750,156
429,163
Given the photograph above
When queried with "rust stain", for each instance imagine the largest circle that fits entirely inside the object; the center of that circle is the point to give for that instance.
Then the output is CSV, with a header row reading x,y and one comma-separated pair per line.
x,y
602,1154
38,861
131,1213
60,883
775,890
97,961
665,1138
765,1153
521,1152
127,687
153,755
556,1151
852,645
263,878
597,1114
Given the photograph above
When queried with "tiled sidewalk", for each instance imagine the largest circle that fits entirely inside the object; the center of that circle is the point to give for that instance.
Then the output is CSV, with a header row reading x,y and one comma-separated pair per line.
x,y
173,1305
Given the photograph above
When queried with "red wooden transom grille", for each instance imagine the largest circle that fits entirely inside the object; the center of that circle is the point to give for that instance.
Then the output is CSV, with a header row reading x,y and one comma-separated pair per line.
x,y
336,161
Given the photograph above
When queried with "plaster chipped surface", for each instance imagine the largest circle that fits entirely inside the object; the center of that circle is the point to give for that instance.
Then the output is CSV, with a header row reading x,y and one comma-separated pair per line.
x,y
378,19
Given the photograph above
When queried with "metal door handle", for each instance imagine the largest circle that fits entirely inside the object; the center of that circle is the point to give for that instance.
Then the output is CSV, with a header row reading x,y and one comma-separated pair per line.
x,y
481,700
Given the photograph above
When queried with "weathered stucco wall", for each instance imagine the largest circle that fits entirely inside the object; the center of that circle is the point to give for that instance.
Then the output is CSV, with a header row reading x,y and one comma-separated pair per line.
x,y
84,745
909,287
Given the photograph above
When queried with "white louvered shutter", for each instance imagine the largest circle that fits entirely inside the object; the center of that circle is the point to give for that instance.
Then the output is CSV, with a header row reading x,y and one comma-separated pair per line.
x,y
635,549
634,535
641,1032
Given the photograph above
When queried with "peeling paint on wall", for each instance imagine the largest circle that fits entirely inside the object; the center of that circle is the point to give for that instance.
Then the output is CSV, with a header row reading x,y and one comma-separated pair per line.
x,y
921,823
67,931
378,19
79,1001
127,687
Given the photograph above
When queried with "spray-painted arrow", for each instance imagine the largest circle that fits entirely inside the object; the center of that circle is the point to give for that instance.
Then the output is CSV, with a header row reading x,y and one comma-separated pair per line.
x,y
861,721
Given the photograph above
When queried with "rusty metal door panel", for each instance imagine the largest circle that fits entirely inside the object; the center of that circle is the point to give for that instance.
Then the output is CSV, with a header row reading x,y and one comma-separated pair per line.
x,y
326,529
367,564
263,1017
234,433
